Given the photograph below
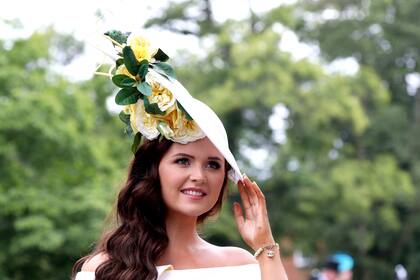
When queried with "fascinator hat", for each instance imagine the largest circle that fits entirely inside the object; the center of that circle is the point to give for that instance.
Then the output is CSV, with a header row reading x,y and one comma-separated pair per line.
x,y
155,104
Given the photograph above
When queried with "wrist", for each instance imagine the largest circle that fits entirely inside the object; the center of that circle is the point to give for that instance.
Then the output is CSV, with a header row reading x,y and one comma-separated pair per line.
x,y
263,243
269,250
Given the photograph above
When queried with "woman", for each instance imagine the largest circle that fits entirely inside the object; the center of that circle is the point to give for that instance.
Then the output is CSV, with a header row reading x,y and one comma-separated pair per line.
x,y
177,179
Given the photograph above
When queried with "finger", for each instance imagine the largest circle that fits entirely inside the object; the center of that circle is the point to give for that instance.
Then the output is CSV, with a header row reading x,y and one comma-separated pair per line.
x,y
262,201
245,201
239,218
261,211
259,193
258,207
253,197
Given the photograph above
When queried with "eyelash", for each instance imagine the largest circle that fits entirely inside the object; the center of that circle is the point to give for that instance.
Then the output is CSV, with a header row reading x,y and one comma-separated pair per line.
x,y
215,164
182,161
186,162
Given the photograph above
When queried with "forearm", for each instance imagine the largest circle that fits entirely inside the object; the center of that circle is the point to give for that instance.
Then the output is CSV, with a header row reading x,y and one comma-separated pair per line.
x,y
271,268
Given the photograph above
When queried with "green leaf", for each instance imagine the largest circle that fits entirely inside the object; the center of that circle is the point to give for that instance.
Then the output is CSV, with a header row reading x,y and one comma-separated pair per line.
x,y
119,62
185,112
118,36
124,117
127,96
130,61
128,130
144,88
143,68
152,108
136,143
123,81
161,56
164,68
165,130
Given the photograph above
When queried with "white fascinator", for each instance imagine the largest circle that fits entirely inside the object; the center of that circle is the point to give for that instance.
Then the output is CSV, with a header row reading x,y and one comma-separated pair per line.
x,y
156,104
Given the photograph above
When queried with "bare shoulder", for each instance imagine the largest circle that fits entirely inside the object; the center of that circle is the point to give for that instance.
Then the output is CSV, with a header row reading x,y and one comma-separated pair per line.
x,y
93,262
237,255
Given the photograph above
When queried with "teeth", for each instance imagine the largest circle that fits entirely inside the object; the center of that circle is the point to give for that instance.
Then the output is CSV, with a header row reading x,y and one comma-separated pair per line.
x,y
194,193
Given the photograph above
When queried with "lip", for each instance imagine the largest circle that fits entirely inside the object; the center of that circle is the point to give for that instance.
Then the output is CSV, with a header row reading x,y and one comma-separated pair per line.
x,y
191,195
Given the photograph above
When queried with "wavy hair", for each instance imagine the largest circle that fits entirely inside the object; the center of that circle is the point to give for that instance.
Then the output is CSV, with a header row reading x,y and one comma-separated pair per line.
x,y
139,237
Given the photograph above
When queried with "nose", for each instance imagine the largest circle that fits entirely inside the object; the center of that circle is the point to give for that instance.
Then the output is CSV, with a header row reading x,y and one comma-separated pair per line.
x,y
197,175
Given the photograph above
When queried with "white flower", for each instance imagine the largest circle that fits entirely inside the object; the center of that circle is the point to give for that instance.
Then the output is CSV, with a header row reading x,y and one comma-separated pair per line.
x,y
144,122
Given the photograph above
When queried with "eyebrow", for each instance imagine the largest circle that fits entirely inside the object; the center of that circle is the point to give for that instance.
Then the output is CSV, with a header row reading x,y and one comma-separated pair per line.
x,y
190,156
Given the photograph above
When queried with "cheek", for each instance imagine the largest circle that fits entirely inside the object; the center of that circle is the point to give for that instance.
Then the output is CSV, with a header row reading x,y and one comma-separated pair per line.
x,y
163,179
218,182
170,179
165,187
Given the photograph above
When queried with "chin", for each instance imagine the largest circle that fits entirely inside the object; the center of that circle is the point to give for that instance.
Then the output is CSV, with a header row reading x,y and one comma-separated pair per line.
x,y
193,211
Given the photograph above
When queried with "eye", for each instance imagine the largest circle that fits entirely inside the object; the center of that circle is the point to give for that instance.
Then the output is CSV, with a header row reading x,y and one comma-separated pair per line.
x,y
213,165
183,161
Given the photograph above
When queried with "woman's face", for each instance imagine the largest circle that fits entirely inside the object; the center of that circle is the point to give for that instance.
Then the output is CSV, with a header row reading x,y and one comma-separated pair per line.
x,y
191,177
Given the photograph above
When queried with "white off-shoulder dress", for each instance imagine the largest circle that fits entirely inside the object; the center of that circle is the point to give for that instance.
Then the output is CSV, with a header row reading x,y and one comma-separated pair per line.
x,y
167,272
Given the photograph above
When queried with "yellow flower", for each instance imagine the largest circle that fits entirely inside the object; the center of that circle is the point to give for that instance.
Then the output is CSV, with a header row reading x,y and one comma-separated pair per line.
x,y
189,132
141,47
122,70
161,96
173,125
185,130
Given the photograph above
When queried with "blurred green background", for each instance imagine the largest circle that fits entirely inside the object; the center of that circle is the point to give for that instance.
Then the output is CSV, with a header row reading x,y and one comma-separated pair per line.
x,y
337,153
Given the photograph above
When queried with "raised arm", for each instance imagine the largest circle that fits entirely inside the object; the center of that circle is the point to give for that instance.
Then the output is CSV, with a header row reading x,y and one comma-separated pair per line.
x,y
254,227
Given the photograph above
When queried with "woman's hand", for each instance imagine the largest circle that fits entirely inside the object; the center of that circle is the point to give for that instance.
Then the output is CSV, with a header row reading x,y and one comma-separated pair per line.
x,y
254,226
255,230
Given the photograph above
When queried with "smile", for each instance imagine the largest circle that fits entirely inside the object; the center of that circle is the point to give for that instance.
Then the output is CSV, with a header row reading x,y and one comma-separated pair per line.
x,y
195,193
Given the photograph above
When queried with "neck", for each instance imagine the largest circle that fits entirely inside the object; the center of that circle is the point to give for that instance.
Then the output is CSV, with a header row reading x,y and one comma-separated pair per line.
x,y
183,237
182,230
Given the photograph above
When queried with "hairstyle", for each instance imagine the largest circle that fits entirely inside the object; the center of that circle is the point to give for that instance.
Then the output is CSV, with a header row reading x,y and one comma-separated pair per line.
x,y
139,236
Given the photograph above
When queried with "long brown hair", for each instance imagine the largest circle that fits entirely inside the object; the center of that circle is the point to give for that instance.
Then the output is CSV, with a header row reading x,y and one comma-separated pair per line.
x,y
139,237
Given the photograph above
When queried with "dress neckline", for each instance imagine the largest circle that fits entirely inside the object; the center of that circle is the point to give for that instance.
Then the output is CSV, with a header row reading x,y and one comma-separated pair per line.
x,y
169,267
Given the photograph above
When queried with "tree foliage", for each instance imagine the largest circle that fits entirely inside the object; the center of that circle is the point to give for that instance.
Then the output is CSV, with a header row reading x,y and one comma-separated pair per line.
x,y
59,160
346,178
